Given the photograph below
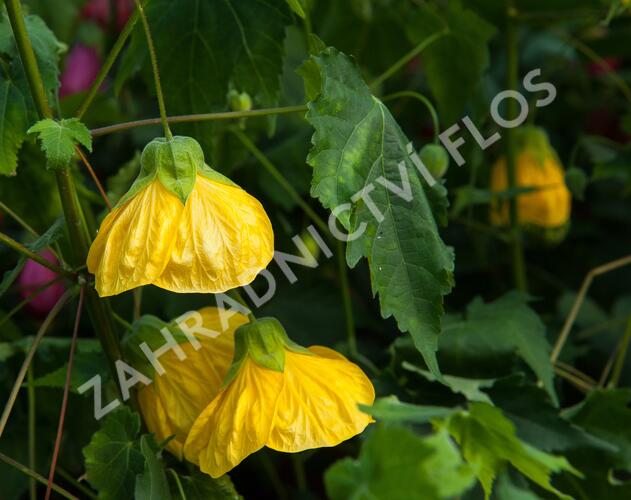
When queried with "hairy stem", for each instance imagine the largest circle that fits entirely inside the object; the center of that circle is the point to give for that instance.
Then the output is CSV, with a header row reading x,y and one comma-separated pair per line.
x,y
198,117
17,246
39,478
156,72
406,58
99,310
107,64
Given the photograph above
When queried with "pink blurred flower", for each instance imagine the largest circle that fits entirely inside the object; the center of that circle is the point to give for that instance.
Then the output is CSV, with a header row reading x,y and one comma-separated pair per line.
x,y
35,276
599,69
99,12
82,66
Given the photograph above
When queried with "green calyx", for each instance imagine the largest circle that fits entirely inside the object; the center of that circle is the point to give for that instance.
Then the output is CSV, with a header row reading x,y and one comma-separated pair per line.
x,y
436,159
534,140
265,342
148,329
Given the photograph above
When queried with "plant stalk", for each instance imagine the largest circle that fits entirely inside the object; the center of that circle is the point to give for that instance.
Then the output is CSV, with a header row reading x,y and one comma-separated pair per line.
x,y
512,77
17,246
156,72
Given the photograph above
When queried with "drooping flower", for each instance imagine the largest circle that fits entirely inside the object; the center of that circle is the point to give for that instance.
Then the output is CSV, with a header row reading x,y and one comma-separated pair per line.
x,y
175,399
182,226
547,208
280,395
33,277
82,65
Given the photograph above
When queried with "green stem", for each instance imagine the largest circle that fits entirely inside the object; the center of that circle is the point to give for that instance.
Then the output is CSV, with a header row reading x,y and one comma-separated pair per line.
x,y
39,478
512,75
178,484
297,462
19,220
100,311
284,183
82,488
407,58
621,356
346,299
17,246
107,64
30,378
156,72
199,117
236,295
419,97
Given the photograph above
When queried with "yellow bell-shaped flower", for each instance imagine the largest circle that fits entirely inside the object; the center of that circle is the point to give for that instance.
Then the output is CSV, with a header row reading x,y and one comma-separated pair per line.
x,y
175,399
280,395
548,207
182,226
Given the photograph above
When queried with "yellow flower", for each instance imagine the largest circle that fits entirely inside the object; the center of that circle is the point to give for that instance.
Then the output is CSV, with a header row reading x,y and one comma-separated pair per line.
x,y
182,227
278,395
549,206
174,400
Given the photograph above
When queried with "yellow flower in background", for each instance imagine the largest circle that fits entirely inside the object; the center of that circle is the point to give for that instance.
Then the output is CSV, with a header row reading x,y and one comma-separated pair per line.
x,y
175,399
278,395
182,227
538,167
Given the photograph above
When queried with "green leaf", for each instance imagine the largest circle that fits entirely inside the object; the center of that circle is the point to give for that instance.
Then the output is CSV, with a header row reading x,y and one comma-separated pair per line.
x,y
455,62
390,409
488,443
17,110
358,145
606,414
152,483
59,139
199,486
113,457
468,387
52,234
394,462
86,365
507,325
208,48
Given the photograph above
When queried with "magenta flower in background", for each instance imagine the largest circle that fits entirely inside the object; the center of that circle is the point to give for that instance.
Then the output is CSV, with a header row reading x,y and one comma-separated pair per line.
x,y
35,276
82,66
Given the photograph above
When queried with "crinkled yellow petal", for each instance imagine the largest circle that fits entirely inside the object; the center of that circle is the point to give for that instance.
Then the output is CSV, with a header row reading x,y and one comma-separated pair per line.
x,y
223,241
318,404
237,422
176,398
548,207
157,419
134,242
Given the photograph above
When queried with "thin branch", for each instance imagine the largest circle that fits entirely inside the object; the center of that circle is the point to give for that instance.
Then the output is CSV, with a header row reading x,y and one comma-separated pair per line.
x,y
36,476
621,356
17,246
99,186
32,440
577,382
200,117
580,298
28,299
406,58
425,101
64,401
19,220
107,64
156,73
29,357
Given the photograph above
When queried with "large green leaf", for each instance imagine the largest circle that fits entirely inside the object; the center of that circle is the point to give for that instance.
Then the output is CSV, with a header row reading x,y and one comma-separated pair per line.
x,y
394,462
455,62
113,457
358,145
390,409
488,442
206,48
17,110
507,325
